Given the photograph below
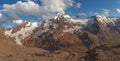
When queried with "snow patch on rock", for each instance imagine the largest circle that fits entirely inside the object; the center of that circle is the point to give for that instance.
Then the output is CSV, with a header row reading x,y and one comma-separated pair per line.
x,y
23,33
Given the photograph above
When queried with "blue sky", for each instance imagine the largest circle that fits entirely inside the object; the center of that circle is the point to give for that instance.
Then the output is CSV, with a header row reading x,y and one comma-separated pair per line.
x,y
84,8
97,6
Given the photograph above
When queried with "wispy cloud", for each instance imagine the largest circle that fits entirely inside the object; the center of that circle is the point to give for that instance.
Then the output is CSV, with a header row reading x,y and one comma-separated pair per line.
x,y
106,11
18,21
78,5
82,14
118,10
31,8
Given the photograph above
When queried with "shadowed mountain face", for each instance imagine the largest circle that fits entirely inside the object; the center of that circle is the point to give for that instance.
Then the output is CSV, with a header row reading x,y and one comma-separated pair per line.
x,y
107,32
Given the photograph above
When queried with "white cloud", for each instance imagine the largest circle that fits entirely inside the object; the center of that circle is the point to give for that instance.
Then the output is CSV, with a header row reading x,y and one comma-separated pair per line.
x,y
53,5
32,8
82,14
28,0
31,0
118,10
78,5
3,18
0,15
18,21
106,11
56,5
96,13
28,8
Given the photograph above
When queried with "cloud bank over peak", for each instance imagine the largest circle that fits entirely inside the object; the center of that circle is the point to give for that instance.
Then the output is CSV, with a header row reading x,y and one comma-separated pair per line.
x,y
18,21
30,7
56,5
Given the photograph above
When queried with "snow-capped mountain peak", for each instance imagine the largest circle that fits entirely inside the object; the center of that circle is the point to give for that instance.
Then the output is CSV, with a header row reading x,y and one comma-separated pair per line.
x,y
105,20
59,25
21,31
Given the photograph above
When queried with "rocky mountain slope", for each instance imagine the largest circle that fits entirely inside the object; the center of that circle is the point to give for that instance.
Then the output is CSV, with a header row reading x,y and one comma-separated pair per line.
x,y
93,39
60,33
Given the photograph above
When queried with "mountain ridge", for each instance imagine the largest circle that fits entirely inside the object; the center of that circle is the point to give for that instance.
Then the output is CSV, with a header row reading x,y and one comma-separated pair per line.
x,y
62,24
68,40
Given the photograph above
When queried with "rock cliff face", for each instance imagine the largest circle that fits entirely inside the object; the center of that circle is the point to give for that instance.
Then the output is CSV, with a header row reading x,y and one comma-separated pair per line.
x,y
54,34
60,33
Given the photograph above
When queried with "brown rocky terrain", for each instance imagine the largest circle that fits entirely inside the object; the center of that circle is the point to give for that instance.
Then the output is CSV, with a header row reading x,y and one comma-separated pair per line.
x,y
96,42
